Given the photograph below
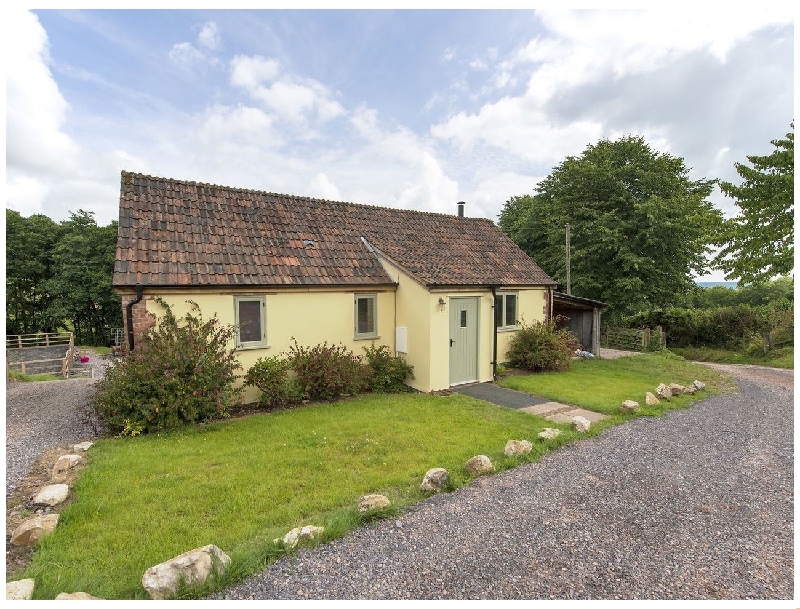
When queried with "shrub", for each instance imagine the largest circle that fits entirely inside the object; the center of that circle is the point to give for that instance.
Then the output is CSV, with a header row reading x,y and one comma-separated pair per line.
x,y
387,372
541,346
271,375
181,372
325,372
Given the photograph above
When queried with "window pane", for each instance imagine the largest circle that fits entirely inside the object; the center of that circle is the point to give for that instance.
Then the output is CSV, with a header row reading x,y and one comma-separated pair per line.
x,y
463,319
366,315
511,310
498,311
249,321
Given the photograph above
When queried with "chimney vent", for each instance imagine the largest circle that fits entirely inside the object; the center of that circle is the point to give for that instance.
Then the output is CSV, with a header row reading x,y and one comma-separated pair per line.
x,y
461,209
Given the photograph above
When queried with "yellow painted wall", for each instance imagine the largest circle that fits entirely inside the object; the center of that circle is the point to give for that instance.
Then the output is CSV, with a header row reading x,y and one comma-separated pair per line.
x,y
413,305
531,307
311,317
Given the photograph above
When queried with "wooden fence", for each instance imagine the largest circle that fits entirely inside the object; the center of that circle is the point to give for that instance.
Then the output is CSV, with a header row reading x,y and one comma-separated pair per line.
x,y
630,339
22,350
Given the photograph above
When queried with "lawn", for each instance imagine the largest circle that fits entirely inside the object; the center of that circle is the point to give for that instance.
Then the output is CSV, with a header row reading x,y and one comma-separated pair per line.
x,y
780,357
241,483
602,385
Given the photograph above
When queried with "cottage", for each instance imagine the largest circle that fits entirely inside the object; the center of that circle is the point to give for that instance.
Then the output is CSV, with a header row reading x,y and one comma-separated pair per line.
x,y
446,292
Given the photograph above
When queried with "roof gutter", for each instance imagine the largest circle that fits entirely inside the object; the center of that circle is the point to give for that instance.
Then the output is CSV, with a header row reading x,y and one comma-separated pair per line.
x,y
129,314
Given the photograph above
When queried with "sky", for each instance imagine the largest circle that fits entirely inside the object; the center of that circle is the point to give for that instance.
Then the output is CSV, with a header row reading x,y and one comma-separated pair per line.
x,y
414,109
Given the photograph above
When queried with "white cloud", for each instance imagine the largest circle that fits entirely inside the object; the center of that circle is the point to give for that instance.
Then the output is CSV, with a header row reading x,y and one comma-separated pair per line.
x,y
478,64
36,112
209,36
449,54
25,194
185,55
321,187
249,72
240,124
290,98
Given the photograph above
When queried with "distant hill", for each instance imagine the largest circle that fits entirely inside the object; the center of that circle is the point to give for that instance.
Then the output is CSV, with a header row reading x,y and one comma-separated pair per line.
x,y
715,284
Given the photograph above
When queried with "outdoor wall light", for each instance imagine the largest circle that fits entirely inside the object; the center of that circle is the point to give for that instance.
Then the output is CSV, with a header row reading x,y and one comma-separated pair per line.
x,y
441,303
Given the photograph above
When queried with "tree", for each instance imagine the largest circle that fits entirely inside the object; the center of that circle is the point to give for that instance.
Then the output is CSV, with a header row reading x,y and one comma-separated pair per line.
x,y
639,226
81,282
758,244
29,264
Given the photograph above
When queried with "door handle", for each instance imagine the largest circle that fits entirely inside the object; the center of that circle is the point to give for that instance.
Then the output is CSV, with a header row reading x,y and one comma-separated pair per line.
x,y
451,342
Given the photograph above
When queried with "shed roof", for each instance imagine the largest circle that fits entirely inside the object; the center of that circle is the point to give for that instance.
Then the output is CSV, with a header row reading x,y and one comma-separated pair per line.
x,y
178,233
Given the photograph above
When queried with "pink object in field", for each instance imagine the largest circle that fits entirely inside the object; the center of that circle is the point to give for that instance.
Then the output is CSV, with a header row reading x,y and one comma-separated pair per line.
x,y
84,360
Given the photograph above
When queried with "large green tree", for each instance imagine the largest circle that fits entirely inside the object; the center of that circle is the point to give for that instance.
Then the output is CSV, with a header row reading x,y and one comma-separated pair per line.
x,y
81,284
758,244
29,264
639,226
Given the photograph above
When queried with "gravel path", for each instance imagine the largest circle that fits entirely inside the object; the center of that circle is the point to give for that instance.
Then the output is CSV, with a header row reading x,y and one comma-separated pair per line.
x,y
695,505
42,415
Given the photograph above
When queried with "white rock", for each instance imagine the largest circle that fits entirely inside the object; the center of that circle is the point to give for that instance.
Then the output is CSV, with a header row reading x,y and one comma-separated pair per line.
x,y
676,389
82,447
515,448
663,392
63,465
435,479
548,433
77,596
367,503
20,590
629,406
192,567
581,423
699,385
33,529
52,494
650,399
479,465
306,533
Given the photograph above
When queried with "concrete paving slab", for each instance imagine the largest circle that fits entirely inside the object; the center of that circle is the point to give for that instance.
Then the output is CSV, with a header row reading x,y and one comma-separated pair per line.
x,y
493,394
566,416
546,409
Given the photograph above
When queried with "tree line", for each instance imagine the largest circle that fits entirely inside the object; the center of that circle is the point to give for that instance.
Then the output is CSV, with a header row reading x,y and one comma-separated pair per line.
x,y
641,229
58,276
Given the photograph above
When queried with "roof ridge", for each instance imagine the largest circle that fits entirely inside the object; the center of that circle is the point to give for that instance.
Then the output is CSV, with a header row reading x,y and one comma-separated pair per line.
x,y
300,197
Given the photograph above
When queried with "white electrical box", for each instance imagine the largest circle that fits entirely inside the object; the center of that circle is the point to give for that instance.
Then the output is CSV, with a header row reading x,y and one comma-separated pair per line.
x,y
401,339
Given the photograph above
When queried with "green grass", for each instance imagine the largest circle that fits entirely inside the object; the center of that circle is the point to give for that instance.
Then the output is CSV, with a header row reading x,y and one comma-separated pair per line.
x,y
98,350
239,484
27,378
782,357
603,385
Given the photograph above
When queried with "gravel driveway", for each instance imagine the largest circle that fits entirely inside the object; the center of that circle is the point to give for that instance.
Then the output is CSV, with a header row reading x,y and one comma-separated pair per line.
x,y
42,415
695,505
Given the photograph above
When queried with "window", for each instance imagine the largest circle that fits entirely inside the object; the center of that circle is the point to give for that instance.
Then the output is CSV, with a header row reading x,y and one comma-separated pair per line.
x,y
505,311
366,325
251,321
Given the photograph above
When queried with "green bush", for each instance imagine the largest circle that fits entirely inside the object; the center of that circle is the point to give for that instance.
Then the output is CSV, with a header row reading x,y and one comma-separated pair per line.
x,y
326,372
541,346
182,372
272,376
387,373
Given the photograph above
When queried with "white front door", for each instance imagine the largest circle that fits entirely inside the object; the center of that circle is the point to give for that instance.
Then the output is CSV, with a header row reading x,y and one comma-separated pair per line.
x,y
463,340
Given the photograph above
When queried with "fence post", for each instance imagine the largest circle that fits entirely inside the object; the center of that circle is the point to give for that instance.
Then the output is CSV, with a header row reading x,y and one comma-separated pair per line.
x,y
23,367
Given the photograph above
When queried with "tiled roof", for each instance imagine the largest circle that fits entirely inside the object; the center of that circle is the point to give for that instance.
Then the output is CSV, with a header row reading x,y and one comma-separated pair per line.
x,y
176,233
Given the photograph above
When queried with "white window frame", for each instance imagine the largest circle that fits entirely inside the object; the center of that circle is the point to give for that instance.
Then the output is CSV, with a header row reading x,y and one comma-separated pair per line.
x,y
504,325
365,335
252,344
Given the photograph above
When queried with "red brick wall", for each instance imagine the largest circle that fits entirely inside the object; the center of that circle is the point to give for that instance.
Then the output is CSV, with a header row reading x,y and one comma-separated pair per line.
x,y
142,318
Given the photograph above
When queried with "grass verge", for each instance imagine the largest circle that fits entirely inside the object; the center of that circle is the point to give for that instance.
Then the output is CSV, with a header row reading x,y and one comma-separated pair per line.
x,y
603,385
782,357
241,483
13,375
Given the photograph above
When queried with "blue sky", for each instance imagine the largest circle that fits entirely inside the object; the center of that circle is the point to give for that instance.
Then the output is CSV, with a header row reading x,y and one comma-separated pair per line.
x,y
401,108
